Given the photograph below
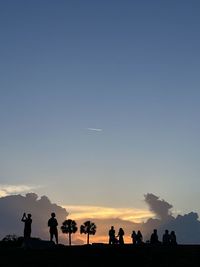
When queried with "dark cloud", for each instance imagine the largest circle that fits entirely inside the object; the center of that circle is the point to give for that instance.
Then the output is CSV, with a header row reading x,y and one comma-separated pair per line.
x,y
161,208
13,207
187,227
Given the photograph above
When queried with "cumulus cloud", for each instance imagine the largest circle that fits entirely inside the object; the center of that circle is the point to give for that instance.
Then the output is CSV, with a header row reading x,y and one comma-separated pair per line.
x,y
12,207
187,226
6,189
159,207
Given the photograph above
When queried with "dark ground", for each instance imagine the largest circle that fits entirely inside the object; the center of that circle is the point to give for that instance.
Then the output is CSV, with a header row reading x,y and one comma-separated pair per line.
x,y
102,255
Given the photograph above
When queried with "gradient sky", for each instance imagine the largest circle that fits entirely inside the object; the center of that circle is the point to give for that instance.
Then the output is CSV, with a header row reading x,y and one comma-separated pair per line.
x,y
130,70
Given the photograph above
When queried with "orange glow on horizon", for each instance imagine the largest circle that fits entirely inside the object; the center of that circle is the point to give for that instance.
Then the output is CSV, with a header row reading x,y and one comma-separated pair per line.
x,y
128,218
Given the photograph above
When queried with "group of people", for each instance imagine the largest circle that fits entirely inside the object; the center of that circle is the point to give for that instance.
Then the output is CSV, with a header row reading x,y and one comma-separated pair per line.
x,y
114,239
52,224
167,238
119,239
137,238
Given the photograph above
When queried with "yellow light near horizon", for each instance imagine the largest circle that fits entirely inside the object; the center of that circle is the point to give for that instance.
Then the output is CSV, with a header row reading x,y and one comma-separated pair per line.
x,y
105,217
79,212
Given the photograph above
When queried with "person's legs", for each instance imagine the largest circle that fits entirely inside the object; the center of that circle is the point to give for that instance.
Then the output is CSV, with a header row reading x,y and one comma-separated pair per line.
x,y
29,235
56,236
51,236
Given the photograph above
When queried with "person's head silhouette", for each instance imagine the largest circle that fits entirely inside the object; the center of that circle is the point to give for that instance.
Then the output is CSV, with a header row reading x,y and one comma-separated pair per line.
x,y
29,216
53,215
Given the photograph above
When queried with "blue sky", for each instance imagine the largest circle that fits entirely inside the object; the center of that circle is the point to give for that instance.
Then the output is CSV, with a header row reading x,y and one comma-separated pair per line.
x,y
130,68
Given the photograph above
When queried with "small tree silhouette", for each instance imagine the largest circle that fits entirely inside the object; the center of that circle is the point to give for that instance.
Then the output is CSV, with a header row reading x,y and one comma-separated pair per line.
x,y
10,238
69,227
88,228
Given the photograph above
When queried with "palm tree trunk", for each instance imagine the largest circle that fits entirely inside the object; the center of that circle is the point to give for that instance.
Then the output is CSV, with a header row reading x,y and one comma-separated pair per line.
x,y
70,242
88,238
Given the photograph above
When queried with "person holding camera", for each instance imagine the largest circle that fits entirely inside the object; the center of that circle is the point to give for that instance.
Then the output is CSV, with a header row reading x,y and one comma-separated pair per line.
x,y
27,225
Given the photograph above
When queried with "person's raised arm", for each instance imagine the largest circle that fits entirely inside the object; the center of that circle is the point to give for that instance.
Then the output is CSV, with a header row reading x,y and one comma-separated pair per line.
x,y
23,217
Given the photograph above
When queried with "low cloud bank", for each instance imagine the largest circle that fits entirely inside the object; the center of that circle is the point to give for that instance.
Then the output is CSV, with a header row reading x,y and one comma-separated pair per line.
x,y
187,227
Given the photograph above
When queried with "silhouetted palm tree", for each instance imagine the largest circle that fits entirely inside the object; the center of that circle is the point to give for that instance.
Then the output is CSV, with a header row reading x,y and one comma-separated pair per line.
x,y
88,228
69,227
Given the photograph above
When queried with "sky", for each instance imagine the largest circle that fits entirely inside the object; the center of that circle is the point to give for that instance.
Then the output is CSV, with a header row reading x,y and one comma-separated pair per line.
x,y
99,102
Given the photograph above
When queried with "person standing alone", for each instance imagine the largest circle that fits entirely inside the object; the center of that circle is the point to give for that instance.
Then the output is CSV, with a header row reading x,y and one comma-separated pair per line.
x,y
27,225
52,223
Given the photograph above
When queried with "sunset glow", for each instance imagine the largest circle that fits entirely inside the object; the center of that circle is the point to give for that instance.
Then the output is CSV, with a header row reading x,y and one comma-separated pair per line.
x,y
98,212
99,116
105,216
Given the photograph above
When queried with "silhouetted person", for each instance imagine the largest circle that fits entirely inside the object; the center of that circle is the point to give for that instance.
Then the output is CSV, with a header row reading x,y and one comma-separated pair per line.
x,y
139,238
173,238
134,237
112,239
166,238
121,236
52,223
154,237
27,225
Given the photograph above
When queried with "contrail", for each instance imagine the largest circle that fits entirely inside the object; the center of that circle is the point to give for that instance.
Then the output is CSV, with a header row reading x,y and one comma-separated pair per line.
x,y
95,129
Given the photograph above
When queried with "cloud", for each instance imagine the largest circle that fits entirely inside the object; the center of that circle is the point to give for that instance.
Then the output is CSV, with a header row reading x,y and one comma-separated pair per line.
x,y
79,212
95,129
11,210
187,226
103,226
6,189
160,208
128,218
